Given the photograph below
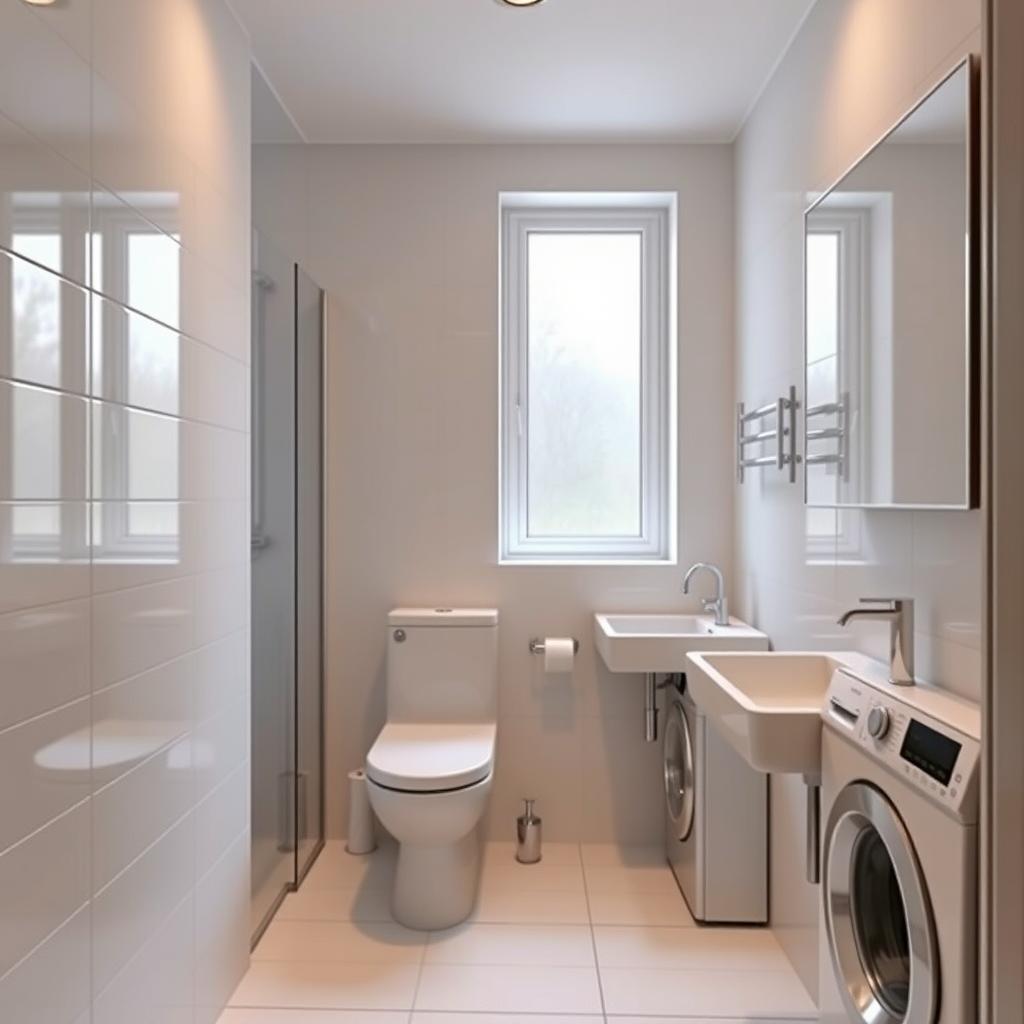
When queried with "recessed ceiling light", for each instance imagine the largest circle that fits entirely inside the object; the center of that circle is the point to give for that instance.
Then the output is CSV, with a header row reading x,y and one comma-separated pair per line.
x,y
521,3
41,3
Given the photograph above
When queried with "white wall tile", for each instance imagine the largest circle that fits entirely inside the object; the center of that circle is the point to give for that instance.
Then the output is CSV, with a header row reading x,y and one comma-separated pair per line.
x,y
44,879
140,628
137,902
221,817
56,111
157,983
45,340
133,812
44,659
222,929
37,782
31,992
48,559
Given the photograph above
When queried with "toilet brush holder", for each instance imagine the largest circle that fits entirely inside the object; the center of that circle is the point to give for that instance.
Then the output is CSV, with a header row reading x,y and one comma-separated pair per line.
x,y
528,836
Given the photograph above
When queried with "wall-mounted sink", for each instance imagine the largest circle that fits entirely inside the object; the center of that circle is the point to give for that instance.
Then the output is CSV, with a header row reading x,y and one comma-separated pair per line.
x,y
660,643
768,704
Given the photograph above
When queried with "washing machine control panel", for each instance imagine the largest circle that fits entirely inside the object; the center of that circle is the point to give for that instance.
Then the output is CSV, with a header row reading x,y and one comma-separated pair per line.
x,y
926,751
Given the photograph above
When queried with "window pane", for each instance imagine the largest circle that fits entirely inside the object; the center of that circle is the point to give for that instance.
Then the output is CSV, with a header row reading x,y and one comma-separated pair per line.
x,y
822,295
583,406
36,310
153,268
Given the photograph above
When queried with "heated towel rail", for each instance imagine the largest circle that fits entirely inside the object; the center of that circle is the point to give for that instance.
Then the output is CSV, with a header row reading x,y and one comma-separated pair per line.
x,y
783,412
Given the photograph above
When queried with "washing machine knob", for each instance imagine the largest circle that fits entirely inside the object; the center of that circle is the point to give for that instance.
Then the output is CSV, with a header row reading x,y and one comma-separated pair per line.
x,y
878,722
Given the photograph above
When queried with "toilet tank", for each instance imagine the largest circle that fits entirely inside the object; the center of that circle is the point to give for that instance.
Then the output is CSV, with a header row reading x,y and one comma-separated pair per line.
x,y
442,665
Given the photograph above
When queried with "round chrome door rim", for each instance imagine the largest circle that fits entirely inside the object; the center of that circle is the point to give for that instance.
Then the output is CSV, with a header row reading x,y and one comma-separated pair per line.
x,y
860,807
678,773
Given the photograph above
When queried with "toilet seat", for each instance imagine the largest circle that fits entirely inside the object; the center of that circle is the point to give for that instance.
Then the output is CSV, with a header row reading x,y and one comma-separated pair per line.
x,y
432,757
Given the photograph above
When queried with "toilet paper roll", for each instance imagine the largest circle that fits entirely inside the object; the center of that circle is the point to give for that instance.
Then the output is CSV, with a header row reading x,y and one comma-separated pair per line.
x,y
360,816
559,654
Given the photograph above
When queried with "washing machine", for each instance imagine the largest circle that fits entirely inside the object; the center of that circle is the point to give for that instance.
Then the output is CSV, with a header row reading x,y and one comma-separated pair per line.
x,y
899,806
716,818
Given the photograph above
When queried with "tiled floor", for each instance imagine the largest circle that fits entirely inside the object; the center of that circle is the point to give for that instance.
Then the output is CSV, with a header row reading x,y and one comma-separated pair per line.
x,y
591,934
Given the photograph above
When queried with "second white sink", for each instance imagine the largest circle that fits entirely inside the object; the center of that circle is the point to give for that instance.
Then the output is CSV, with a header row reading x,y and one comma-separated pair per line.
x,y
660,642
768,704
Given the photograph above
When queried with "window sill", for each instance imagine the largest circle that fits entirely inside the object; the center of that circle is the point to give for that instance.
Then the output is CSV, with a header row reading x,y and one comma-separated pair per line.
x,y
586,562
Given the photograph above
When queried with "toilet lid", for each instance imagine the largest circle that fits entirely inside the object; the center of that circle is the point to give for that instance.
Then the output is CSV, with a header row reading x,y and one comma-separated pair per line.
x,y
430,757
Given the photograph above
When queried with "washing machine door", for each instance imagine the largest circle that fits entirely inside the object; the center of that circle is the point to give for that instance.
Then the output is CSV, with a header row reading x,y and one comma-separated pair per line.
x,y
678,774
878,915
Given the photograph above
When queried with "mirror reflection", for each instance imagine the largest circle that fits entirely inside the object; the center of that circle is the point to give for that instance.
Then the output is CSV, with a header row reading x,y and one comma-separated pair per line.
x,y
61,345
888,335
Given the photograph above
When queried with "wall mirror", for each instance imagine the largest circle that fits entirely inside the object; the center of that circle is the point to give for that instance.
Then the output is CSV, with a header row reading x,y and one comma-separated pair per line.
x,y
891,331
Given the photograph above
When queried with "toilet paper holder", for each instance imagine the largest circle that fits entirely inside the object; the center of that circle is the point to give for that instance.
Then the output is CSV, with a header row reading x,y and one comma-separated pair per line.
x,y
537,646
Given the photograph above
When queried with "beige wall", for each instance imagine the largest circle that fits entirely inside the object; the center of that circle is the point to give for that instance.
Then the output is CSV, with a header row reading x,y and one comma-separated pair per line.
x,y
854,68
124,779
405,240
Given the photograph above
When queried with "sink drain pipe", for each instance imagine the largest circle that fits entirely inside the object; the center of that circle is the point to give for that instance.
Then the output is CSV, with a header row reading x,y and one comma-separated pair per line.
x,y
651,688
651,707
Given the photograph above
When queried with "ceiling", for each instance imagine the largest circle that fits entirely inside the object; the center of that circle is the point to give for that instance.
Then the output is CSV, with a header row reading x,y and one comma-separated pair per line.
x,y
479,71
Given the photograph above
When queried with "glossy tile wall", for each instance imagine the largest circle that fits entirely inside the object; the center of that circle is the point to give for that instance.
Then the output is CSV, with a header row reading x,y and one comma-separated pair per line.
x,y
405,240
124,270
853,69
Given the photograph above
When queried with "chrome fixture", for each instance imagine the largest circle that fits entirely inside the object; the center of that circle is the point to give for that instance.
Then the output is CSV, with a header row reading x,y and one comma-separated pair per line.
x,y
537,646
838,432
783,433
651,687
528,835
718,604
899,613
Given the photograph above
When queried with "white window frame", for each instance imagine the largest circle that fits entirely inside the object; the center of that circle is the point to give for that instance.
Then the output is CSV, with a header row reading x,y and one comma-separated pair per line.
x,y
653,217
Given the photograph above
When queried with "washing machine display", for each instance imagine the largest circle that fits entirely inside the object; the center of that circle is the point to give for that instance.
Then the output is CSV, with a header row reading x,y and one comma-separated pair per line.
x,y
930,751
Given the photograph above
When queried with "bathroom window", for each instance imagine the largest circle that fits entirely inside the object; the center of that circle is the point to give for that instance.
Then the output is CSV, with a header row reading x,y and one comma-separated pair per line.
x,y
588,370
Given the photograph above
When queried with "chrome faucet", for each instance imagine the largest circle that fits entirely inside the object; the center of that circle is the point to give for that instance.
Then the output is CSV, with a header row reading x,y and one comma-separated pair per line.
x,y
899,613
718,604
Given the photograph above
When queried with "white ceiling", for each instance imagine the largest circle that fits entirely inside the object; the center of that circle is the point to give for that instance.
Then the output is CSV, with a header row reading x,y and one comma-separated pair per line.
x,y
479,71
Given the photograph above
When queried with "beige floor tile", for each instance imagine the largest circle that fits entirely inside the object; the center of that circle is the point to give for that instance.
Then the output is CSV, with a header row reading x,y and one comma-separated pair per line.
x,y
616,1019
504,1018
362,903
641,878
639,908
364,942
529,944
542,877
562,854
337,869
328,986
616,855
692,949
250,1016
741,994
515,906
509,989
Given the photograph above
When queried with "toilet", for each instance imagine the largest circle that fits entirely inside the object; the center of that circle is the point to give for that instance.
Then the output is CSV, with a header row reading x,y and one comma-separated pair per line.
x,y
430,770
